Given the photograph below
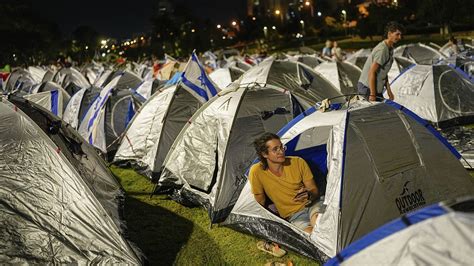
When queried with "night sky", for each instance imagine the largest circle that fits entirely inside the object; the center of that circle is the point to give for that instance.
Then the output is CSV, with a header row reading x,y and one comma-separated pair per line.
x,y
120,19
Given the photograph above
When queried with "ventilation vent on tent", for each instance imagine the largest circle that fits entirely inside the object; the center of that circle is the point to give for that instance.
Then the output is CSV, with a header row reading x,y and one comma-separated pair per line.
x,y
388,142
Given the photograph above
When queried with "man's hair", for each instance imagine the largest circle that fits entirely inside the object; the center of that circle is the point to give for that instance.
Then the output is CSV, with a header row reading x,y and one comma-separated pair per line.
x,y
393,26
260,145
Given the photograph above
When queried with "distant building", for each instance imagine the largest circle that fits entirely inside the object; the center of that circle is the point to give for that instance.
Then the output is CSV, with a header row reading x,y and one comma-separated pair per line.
x,y
282,9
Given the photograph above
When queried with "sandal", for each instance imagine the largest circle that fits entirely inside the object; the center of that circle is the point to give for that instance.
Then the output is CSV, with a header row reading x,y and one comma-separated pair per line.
x,y
271,248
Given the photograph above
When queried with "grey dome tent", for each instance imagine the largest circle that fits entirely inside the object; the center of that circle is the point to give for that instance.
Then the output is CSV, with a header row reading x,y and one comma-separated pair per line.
x,y
311,60
108,116
80,154
39,74
148,87
71,80
343,75
104,77
19,80
358,58
419,53
440,234
207,162
79,104
48,214
400,65
49,95
438,93
223,77
152,131
373,162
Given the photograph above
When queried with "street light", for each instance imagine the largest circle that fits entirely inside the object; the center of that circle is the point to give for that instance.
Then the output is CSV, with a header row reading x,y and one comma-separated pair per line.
x,y
219,26
307,3
277,12
344,18
302,31
234,23
319,14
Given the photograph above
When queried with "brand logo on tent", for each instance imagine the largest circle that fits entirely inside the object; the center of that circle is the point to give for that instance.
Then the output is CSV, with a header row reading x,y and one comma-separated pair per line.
x,y
409,199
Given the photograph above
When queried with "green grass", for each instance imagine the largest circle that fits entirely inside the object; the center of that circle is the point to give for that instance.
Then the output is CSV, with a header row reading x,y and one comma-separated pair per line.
x,y
169,233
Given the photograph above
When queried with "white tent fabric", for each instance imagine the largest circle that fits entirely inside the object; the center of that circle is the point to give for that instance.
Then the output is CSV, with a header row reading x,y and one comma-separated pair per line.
x,y
221,77
48,214
140,143
153,130
52,101
146,88
420,53
342,75
221,131
435,93
92,127
359,57
71,112
37,73
435,235
108,116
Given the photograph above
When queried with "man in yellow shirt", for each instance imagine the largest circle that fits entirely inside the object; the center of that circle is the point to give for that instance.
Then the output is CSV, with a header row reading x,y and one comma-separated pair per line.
x,y
287,181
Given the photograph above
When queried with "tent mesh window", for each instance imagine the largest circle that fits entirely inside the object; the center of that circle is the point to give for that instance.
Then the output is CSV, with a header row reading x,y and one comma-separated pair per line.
x,y
456,92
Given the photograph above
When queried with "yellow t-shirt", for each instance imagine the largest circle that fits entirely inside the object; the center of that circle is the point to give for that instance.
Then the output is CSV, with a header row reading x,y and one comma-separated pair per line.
x,y
281,189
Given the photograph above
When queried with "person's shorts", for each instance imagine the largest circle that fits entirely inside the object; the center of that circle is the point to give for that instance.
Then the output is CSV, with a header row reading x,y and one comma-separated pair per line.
x,y
301,219
365,91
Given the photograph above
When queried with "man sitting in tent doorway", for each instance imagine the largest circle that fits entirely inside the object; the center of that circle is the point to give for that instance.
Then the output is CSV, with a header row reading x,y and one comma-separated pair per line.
x,y
287,181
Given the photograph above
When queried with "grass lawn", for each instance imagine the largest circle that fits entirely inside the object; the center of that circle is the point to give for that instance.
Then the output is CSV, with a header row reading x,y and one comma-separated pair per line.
x,y
169,233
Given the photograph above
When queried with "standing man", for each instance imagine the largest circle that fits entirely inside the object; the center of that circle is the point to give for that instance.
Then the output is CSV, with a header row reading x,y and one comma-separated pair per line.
x,y
287,181
374,75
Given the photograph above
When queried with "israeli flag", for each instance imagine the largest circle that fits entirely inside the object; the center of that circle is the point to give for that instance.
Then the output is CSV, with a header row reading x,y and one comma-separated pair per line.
x,y
195,80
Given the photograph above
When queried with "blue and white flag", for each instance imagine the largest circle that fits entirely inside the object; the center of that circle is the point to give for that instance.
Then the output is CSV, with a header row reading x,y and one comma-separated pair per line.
x,y
195,80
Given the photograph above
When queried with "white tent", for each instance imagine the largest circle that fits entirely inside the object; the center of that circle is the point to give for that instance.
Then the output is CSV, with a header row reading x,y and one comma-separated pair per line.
x,y
342,75
419,53
223,77
440,234
438,93
48,213
109,114
372,161
152,131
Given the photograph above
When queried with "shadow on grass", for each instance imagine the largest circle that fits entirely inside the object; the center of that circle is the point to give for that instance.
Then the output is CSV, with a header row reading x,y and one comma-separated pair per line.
x,y
163,235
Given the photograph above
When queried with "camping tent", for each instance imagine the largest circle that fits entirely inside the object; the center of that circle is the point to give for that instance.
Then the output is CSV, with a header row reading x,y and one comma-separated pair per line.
x,y
419,53
343,75
438,93
109,114
358,58
372,161
54,101
79,104
440,234
223,77
39,74
155,127
19,80
149,87
80,154
399,65
208,159
48,213
71,80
